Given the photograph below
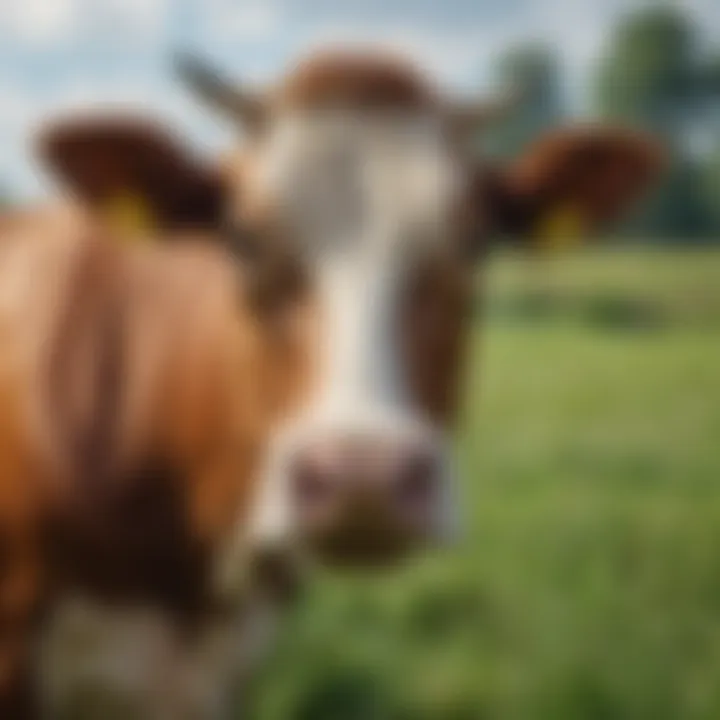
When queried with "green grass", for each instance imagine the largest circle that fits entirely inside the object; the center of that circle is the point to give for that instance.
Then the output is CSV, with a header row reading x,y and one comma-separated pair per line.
x,y
587,585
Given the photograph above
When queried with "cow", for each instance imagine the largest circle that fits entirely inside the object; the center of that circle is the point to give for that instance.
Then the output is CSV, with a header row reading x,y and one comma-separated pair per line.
x,y
262,368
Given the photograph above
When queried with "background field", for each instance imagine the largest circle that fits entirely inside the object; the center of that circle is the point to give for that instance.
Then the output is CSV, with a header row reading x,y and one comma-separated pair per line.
x,y
587,585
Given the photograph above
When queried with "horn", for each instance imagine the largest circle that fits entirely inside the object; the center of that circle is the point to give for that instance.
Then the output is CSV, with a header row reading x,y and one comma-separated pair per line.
x,y
215,89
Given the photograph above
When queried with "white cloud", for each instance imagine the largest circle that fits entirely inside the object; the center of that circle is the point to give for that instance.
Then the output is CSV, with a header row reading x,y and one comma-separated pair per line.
x,y
38,21
254,21
249,21
708,11
129,20
44,23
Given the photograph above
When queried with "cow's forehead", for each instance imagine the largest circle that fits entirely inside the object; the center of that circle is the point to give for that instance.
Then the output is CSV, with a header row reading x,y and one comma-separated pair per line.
x,y
341,174
337,123
359,80
361,140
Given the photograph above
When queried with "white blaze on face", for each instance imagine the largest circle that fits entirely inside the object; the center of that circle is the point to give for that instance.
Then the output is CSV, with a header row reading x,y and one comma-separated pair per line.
x,y
362,197
361,376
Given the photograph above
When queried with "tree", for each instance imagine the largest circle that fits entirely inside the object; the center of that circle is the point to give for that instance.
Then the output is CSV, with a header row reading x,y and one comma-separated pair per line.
x,y
712,77
649,75
533,71
653,76
711,190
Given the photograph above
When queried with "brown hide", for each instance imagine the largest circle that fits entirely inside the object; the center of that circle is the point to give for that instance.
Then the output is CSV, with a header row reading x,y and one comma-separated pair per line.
x,y
436,327
357,81
137,393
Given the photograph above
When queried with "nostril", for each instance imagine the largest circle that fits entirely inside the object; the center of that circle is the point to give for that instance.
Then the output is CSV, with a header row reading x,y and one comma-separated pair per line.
x,y
312,485
418,479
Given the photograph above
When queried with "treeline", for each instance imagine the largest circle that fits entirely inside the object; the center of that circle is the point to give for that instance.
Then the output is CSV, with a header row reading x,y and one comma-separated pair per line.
x,y
655,73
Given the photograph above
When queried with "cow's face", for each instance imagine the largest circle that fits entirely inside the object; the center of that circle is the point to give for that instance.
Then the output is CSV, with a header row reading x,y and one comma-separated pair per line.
x,y
364,190
358,172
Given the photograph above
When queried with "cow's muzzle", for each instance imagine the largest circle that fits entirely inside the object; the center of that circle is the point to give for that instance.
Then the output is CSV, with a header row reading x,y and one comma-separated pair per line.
x,y
368,500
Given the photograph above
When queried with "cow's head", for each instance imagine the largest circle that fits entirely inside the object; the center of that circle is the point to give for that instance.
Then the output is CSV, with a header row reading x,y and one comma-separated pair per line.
x,y
356,196
363,173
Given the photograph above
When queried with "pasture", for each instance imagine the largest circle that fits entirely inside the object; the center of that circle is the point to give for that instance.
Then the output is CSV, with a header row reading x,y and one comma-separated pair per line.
x,y
587,583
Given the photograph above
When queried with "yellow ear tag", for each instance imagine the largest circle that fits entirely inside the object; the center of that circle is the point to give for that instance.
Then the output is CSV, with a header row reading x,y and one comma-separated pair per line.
x,y
130,215
562,228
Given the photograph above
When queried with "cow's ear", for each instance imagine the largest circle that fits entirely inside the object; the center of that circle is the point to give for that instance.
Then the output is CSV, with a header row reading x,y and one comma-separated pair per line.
x,y
570,185
132,172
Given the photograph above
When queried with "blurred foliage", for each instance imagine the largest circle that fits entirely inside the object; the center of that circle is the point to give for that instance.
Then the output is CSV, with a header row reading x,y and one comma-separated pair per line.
x,y
711,186
655,76
587,584
534,71
681,210
712,75
651,75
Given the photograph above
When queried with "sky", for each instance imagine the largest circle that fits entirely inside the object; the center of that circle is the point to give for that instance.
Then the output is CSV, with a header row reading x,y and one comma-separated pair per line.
x,y
60,55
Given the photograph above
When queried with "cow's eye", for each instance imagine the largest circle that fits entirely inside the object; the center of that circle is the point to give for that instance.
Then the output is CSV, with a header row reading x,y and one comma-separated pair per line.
x,y
438,289
244,244
475,244
273,276
277,284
